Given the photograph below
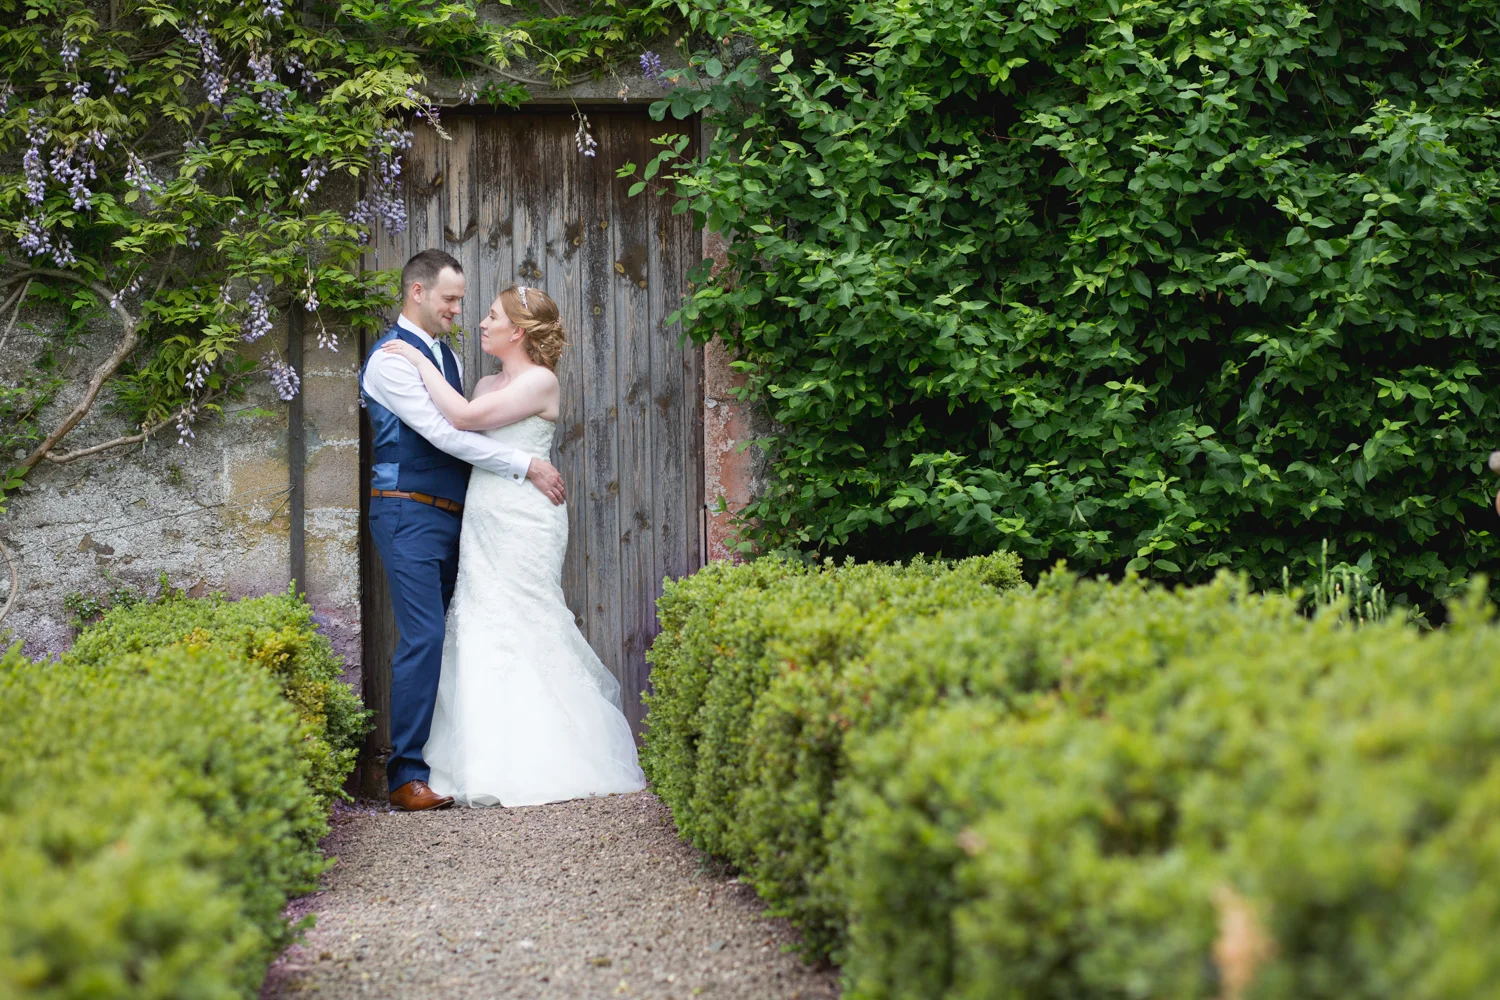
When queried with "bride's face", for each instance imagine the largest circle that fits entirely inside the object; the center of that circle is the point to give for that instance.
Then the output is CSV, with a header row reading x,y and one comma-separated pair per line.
x,y
497,334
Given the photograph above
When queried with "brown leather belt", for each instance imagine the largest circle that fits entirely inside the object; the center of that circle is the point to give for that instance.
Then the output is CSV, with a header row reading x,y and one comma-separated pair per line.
x,y
438,502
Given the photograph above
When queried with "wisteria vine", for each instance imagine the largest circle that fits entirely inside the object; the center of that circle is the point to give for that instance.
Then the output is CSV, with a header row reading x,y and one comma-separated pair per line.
x,y
170,167
172,162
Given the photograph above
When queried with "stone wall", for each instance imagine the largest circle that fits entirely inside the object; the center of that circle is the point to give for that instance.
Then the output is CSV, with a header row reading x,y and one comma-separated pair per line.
x,y
213,517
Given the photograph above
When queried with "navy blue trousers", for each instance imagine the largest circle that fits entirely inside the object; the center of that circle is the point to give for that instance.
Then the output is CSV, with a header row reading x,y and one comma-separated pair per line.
x,y
418,546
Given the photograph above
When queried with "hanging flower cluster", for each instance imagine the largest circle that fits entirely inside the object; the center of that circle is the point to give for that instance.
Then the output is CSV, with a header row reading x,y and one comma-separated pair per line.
x,y
384,203
215,80
285,380
257,315
584,138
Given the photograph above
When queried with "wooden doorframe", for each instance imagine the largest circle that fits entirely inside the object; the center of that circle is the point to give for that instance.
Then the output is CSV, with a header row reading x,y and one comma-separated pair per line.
x,y
379,633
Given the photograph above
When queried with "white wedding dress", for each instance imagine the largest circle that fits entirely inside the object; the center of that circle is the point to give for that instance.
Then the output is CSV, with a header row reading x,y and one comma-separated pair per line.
x,y
526,713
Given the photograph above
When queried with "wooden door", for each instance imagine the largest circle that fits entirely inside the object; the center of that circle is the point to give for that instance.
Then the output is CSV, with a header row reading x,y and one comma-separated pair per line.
x,y
511,197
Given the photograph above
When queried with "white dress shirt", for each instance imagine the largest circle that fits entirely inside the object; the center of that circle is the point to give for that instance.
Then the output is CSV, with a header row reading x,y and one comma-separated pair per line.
x,y
395,384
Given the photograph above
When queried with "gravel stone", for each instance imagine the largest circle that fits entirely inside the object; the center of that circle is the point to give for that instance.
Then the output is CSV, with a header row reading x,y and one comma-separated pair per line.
x,y
583,899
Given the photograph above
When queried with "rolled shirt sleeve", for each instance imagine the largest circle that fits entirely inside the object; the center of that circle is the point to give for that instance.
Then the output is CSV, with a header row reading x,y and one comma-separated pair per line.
x,y
395,384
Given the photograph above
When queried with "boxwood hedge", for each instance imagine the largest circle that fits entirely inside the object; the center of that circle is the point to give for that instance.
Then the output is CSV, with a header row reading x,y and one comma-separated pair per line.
x,y
164,791
1088,789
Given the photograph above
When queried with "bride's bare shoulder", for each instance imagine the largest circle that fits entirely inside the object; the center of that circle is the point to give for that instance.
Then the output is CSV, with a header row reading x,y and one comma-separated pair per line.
x,y
486,384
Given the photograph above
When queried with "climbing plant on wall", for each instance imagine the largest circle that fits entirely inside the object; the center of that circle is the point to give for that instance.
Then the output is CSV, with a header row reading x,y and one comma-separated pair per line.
x,y
167,167
1166,285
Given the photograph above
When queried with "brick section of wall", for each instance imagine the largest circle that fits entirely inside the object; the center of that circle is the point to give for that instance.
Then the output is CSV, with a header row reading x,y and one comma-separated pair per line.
x,y
730,474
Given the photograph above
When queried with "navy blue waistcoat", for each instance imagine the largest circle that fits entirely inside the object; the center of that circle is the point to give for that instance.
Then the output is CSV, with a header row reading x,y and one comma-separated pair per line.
x,y
401,458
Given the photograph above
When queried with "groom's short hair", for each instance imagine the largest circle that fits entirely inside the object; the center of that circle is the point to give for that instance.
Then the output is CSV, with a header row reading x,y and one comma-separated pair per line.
x,y
425,267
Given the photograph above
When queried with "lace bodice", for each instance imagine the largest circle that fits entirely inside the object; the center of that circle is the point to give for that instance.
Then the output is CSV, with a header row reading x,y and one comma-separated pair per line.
x,y
532,435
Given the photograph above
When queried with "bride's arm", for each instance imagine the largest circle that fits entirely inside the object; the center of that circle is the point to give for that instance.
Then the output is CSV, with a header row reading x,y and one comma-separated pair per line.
x,y
526,396
534,391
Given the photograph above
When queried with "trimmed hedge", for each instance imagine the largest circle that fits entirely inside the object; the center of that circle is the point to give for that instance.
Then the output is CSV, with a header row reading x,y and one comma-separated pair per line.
x,y
739,644
275,633
159,805
1092,789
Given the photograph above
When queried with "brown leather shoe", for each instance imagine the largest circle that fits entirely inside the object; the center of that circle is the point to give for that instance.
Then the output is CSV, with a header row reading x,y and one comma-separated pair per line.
x,y
414,796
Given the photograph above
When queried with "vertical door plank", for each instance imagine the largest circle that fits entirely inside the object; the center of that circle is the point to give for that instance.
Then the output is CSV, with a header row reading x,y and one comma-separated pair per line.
x,y
672,394
565,273
426,172
622,139
601,459
459,196
529,201
495,176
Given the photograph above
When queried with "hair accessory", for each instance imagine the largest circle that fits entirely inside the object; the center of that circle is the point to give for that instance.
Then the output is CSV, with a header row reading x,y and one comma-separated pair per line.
x,y
521,291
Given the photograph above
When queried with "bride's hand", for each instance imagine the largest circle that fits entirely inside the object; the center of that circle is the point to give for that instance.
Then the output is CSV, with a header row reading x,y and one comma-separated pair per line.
x,y
407,351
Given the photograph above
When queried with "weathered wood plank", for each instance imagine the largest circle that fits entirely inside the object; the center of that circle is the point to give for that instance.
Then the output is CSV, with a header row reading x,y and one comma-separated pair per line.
x,y
493,173
460,200
565,285
601,455
621,140
676,463
427,172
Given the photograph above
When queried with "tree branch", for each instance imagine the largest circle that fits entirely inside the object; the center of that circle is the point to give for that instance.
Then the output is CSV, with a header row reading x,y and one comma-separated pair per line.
x,y
120,442
127,343
14,300
15,582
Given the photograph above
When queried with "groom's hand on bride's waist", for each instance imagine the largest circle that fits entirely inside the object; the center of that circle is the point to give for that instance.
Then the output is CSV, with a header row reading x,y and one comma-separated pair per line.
x,y
547,479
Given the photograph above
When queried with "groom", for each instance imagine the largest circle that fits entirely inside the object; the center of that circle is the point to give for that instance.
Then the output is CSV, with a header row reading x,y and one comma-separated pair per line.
x,y
419,473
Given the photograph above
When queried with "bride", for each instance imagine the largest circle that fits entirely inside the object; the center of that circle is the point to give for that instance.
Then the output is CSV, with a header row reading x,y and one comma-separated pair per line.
x,y
526,713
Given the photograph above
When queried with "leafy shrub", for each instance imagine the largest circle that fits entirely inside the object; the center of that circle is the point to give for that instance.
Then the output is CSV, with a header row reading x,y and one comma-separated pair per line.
x,y
275,633
1299,809
1170,285
729,631
154,815
1090,789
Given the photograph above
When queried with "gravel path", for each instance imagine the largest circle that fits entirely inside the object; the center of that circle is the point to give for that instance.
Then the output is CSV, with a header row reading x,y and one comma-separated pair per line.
x,y
594,898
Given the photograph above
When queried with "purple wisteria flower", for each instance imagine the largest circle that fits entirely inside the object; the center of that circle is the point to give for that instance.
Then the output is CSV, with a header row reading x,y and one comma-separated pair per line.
x,y
651,67
384,203
138,174
584,138
215,83
31,163
197,375
284,379
312,176
185,418
75,169
273,97
258,319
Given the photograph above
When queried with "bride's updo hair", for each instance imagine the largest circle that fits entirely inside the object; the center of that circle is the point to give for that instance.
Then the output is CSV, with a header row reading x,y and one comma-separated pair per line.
x,y
538,316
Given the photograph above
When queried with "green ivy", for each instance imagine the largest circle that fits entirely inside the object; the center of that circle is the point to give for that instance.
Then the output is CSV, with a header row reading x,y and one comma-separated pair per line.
x,y
1164,285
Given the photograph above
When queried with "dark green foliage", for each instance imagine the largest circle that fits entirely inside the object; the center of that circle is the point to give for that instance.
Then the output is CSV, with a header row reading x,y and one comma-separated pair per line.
x,y
1091,790
154,815
1167,285
275,633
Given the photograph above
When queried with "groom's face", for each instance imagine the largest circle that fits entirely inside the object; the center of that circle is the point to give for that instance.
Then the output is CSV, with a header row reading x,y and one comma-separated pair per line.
x,y
438,306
